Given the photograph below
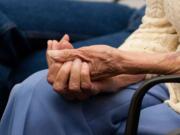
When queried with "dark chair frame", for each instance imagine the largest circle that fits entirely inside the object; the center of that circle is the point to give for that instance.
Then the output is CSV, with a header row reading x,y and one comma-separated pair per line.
x,y
135,106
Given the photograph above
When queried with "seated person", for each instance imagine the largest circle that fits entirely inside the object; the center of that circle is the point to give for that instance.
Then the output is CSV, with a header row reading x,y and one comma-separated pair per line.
x,y
24,33
38,107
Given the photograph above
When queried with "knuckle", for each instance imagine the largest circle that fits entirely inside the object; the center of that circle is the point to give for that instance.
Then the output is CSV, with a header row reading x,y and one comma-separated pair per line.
x,y
58,88
50,79
49,59
56,65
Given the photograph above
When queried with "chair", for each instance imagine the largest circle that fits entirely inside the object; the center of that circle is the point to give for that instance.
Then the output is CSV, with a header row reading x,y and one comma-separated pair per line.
x,y
135,106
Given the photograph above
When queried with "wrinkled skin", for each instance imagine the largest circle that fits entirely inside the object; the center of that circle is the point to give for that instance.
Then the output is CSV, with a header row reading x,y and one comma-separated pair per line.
x,y
99,58
72,79
80,73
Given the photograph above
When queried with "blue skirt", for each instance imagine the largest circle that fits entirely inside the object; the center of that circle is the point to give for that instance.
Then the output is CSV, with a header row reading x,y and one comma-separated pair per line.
x,y
35,109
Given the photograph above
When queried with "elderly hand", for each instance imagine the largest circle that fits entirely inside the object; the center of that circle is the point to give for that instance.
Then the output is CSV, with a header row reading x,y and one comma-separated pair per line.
x,y
74,82
99,57
68,84
55,45
72,79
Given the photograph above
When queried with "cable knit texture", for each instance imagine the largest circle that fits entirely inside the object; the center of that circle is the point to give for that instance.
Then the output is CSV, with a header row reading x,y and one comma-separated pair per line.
x,y
159,32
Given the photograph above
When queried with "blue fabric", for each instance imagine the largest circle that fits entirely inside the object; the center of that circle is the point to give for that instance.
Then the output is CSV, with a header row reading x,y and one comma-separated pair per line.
x,y
13,46
80,19
25,27
159,119
36,61
34,108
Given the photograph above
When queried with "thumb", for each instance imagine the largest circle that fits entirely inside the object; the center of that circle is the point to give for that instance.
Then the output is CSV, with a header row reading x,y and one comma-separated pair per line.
x,y
65,45
65,38
63,55
68,55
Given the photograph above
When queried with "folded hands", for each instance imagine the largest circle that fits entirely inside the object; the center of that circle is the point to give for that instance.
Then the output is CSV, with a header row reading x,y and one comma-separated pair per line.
x,y
84,72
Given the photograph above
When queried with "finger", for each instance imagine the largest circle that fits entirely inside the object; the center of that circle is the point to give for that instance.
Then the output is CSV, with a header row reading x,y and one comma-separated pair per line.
x,y
65,45
53,71
85,78
52,44
63,55
65,38
49,47
49,43
55,45
74,80
60,83
50,61
67,55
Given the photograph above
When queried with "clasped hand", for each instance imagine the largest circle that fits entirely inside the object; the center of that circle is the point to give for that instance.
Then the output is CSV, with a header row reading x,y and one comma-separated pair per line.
x,y
81,73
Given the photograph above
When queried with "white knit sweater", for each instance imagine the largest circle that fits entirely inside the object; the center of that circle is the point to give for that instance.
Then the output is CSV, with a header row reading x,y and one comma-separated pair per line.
x,y
159,32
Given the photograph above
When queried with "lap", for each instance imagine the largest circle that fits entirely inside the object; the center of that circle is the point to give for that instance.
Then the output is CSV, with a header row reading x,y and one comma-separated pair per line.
x,y
37,60
34,101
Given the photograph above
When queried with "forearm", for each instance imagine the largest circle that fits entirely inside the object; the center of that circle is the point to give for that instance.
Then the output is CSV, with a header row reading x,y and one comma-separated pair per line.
x,y
143,63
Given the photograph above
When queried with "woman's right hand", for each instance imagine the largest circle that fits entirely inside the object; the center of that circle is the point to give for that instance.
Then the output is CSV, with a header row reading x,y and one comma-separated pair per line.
x,y
103,60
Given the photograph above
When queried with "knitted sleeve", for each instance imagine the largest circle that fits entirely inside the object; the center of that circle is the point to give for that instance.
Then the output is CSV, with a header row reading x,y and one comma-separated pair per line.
x,y
155,34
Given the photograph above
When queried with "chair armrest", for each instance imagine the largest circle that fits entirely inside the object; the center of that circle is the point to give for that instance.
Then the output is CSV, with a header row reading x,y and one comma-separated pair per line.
x,y
135,106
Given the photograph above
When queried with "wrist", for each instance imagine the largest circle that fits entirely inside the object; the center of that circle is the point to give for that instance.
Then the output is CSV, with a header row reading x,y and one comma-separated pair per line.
x,y
143,63
125,80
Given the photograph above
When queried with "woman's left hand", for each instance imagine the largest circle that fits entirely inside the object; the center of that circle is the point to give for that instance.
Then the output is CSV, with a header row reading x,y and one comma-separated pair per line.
x,y
73,81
